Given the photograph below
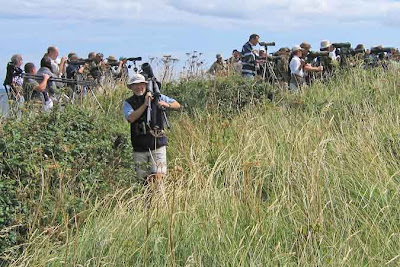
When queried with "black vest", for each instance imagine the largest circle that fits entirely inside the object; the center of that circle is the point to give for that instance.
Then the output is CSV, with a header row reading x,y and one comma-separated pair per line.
x,y
142,139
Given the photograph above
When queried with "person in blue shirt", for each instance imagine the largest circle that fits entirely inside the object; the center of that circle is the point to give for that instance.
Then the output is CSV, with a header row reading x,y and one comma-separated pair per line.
x,y
149,146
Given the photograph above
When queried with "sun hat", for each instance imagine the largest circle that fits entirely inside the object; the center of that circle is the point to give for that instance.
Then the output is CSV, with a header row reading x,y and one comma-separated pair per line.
x,y
325,44
111,58
136,78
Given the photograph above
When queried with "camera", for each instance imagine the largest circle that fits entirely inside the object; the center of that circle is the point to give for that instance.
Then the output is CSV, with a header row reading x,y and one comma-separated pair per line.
x,y
381,50
267,44
315,54
79,62
134,59
147,71
341,45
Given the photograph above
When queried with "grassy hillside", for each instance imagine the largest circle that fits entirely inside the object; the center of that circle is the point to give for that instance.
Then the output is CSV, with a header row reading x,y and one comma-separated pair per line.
x,y
308,179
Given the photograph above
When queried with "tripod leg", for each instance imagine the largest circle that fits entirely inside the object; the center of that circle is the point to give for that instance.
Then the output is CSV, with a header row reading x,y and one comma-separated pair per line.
x,y
95,98
7,91
166,119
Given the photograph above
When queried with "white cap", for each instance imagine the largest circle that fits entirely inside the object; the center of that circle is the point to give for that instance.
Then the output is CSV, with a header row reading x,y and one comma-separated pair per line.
x,y
325,44
296,48
136,78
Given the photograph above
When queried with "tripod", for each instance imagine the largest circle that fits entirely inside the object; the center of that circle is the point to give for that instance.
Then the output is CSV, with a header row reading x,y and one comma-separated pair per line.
x,y
269,66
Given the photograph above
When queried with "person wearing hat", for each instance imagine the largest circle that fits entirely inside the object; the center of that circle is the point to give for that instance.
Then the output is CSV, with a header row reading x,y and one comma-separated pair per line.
x,y
330,62
357,58
97,66
261,62
149,148
218,68
114,66
125,69
308,67
306,50
297,67
282,64
73,69
327,46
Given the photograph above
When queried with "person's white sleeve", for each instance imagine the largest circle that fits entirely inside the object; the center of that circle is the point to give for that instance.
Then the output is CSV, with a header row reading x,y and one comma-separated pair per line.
x,y
295,66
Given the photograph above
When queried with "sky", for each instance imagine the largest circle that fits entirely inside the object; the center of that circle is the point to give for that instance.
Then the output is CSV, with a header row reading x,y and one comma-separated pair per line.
x,y
152,28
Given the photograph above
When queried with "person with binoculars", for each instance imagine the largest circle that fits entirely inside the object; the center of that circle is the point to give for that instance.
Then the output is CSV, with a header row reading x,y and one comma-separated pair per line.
x,y
297,67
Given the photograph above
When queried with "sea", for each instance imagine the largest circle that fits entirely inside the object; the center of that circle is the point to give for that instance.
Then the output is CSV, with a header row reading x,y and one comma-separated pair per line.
x,y
4,108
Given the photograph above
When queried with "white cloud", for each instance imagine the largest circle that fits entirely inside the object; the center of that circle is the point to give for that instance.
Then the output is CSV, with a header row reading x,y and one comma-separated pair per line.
x,y
213,13
292,13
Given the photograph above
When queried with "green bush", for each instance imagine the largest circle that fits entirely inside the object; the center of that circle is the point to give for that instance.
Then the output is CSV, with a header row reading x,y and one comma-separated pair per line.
x,y
221,95
55,165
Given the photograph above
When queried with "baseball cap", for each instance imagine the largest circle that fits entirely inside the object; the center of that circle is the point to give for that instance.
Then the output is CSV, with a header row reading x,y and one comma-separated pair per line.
x,y
136,78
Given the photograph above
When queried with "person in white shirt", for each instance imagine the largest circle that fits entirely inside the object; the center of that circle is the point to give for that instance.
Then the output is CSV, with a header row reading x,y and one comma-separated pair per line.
x,y
297,67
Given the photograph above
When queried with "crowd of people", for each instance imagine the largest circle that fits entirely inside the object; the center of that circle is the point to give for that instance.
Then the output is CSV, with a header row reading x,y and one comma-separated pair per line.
x,y
145,109
295,67
28,83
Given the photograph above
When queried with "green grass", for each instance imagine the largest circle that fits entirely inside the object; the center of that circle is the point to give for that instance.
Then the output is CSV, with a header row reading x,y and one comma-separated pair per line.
x,y
309,179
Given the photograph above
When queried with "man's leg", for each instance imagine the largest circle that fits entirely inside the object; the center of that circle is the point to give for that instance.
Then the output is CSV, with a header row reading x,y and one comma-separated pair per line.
x,y
142,164
159,162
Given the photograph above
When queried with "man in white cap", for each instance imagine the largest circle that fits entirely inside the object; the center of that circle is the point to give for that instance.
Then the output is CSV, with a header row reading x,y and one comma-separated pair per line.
x,y
297,68
149,149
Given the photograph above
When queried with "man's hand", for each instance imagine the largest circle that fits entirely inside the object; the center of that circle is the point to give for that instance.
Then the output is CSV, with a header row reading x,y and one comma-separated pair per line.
x,y
149,96
320,68
163,104
46,77
63,60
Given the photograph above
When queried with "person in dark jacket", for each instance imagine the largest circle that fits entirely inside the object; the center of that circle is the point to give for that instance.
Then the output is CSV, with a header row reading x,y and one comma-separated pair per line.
x,y
149,146
249,57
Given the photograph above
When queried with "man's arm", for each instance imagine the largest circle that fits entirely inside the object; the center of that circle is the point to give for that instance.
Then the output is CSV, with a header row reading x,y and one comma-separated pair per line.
x,y
41,87
133,115
310,68
169,103
62,65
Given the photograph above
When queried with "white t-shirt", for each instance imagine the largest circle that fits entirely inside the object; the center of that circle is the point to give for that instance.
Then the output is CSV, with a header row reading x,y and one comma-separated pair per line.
x,y
55,67
295,67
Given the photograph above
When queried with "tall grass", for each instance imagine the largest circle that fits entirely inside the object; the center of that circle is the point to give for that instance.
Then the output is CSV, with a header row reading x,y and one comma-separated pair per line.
x,y
310,179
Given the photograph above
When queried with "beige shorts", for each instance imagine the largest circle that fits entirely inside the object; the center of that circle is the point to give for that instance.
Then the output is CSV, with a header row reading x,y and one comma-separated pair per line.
x,y
150,162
